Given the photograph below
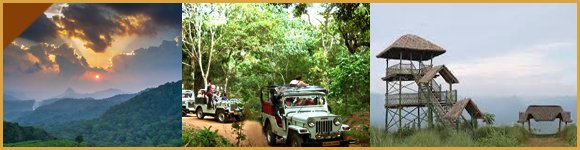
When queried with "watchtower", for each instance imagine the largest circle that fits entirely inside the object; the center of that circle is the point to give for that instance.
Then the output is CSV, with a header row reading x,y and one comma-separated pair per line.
x,y
413,96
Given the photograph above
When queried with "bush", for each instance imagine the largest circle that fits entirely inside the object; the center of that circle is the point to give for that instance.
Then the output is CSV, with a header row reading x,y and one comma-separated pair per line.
x,y
203,137
501,136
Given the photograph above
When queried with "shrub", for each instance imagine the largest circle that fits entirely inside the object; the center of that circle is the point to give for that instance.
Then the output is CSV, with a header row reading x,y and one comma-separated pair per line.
x,y
203,137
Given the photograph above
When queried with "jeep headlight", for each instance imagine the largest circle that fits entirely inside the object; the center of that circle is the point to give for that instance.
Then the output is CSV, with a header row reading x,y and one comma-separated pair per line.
x,y
336,121
310,122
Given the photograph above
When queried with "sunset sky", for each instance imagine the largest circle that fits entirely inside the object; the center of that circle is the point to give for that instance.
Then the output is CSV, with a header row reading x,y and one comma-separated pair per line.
x,y
93,47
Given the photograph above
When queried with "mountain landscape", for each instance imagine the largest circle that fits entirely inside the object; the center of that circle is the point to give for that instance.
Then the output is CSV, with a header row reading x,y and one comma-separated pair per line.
x,y
14,108
71,109
150,118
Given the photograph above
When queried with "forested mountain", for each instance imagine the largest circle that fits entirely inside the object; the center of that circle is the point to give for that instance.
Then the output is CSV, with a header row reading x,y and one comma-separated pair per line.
x,y
68,109
13,132
151,118
14,109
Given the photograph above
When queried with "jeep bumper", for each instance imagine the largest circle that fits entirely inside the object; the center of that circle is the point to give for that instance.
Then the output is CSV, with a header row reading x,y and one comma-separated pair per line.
x,y
325,143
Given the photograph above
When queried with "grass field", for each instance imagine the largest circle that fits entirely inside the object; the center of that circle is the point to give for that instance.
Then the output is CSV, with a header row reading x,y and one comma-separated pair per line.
x,y
488,136
38,143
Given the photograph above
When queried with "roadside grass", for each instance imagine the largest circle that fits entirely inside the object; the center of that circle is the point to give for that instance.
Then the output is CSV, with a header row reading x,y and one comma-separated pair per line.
x,y
39,143
569,135
206,137
444,137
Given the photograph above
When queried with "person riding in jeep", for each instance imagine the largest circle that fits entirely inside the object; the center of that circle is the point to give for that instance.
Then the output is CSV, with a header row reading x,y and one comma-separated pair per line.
x,y
298,81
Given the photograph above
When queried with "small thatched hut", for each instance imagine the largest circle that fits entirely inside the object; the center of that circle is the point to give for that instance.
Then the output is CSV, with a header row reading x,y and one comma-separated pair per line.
x,y
544,113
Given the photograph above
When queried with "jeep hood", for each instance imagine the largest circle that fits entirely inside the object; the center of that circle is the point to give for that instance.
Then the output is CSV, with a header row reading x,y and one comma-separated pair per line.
x,y
303,116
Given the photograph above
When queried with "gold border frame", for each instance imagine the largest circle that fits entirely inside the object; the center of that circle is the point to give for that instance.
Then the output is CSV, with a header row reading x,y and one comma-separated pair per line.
x,y
272,1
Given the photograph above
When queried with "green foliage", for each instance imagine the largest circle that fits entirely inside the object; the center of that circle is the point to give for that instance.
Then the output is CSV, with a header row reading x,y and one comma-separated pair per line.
x,y
79,139
148,119
205,137
501,136
441,136
256,45
569,135
13,132
489,118
40,143
239,132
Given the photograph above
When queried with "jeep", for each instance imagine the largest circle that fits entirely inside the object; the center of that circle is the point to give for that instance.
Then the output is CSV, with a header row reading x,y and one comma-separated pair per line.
x,y
223,109
300,116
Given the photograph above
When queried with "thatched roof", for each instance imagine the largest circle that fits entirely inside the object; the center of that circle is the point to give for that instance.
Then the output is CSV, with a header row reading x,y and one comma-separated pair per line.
x,y
544,113
411,47
443,71
467,104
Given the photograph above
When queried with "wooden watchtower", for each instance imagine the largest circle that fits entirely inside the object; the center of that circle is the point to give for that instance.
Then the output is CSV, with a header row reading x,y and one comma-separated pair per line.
x,y
413,96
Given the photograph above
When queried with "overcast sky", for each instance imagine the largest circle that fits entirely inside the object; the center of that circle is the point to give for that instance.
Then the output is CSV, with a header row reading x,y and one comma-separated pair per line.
x,y
494,50
517,49
93,47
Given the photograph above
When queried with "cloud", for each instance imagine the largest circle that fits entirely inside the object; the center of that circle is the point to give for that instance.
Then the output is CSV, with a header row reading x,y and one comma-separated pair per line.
x,y
41,30
161,14
96,24
525,71
152,59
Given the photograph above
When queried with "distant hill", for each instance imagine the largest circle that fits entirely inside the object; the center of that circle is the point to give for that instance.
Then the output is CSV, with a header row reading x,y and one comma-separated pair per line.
x,y
14,107
13,132
69,109
151,118
71,93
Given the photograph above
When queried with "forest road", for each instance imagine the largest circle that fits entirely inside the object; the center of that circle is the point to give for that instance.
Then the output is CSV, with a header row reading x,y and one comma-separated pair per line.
x,y
252,129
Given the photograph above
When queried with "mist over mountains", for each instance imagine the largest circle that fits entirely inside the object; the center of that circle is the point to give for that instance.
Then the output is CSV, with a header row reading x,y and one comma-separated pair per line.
x,y
71,93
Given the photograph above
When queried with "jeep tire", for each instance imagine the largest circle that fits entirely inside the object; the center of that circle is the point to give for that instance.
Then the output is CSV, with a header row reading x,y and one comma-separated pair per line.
x,y
270,136
295,139
184,112
221,116
199,113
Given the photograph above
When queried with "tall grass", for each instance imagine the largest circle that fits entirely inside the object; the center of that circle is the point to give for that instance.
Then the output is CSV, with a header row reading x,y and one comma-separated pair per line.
x,y
569,135
440,136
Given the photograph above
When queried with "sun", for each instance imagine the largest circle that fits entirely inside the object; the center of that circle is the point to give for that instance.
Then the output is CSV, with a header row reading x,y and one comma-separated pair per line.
x,y
97,77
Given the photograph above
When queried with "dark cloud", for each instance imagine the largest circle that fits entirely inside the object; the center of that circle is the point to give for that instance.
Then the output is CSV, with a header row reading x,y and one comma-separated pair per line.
x,y
161,14
89,23
96,24
18,61
164,58
36,59
41,30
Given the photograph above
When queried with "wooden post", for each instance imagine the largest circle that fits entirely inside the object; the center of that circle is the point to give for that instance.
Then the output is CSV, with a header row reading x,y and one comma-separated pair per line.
x,y
559,124
400,91
529,126
387,97
474,121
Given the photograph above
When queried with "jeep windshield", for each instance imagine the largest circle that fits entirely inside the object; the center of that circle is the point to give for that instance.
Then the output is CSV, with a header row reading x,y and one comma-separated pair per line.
x,y
186,94
304,100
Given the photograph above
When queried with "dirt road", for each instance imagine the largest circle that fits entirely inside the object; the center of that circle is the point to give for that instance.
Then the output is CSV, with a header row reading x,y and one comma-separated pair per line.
x,y
252,129
545,141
